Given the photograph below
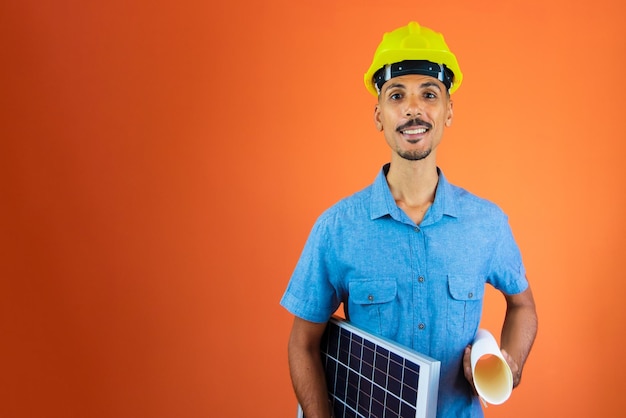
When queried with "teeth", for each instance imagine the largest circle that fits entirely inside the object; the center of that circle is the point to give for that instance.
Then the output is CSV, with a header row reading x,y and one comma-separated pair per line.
x,y
414,131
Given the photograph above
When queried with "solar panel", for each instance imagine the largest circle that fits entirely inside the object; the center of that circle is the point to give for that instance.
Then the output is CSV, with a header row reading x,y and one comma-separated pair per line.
x,y
369,376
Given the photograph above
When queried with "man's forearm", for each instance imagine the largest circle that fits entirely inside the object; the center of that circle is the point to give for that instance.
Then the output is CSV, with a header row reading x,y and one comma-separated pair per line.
x,y
305,366
309,382
519,330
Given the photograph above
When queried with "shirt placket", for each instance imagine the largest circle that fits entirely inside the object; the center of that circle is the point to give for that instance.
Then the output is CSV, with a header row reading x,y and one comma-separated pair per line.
x,y
421,320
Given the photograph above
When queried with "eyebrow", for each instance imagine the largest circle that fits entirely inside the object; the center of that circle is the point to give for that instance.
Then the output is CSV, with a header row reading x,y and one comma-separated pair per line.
x,y
425,84
431,84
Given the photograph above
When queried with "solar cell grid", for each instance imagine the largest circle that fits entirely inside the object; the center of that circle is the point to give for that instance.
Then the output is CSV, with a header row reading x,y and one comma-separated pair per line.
x,y
368,376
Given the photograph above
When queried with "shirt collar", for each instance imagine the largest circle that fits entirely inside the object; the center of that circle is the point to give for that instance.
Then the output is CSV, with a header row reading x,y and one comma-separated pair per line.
x,y
383,204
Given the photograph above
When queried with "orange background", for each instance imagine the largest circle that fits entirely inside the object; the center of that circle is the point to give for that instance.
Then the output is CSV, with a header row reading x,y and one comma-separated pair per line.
x,y
163,162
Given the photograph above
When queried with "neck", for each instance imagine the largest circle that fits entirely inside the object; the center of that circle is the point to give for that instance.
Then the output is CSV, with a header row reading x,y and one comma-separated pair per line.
x,y
413,185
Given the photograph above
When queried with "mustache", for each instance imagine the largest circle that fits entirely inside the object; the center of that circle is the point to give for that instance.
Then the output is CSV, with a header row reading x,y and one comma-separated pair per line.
x,y
413,123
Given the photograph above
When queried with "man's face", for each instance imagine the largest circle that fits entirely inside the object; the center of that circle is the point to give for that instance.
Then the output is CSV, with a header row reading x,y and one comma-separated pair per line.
x,y
412,112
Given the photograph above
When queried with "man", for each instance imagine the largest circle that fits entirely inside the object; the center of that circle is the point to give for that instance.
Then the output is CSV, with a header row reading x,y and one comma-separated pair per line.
x,y
409,256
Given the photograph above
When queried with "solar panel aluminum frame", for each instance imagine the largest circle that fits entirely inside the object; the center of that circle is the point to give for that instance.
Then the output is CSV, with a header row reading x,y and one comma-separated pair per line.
x,y
427,387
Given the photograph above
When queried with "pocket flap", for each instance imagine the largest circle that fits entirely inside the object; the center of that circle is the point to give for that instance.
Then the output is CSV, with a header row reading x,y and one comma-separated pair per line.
x,y
466,287
368,292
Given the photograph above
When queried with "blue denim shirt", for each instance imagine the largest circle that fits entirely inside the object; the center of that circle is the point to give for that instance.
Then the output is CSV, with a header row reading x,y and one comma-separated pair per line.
x,y
420,285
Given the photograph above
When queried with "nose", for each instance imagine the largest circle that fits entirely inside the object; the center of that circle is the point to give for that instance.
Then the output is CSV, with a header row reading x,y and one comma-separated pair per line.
x,y
413,106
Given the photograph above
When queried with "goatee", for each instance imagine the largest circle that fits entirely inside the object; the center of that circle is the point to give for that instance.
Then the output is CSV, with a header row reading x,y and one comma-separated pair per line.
x,y
415,155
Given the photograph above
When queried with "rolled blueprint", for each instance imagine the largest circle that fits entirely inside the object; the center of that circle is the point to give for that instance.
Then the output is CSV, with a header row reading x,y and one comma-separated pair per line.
x,y
492,375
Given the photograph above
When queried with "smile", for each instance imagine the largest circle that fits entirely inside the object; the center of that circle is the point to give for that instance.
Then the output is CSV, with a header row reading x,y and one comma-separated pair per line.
x,y
415,131
414,127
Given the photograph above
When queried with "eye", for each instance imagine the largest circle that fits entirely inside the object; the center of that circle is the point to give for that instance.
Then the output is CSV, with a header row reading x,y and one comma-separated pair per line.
x,y
395,96
430,95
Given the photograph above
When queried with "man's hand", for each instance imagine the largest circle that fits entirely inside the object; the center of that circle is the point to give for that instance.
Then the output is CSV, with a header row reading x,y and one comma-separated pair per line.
x,y
467,367
515,369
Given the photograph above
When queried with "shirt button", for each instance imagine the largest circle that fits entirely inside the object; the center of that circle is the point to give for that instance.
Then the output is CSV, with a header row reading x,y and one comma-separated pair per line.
x,y
416,229
420,279
370,298
421,326
470,295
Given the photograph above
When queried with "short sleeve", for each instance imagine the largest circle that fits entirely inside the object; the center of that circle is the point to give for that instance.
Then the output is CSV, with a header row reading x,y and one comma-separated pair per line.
x,y
507,272
310,294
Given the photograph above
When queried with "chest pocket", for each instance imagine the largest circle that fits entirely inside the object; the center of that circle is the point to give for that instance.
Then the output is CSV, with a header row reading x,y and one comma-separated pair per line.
x,y
465,305
372,305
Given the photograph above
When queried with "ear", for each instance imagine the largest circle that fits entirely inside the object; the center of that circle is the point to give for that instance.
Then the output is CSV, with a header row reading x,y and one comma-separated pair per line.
x,y
450,114
377,120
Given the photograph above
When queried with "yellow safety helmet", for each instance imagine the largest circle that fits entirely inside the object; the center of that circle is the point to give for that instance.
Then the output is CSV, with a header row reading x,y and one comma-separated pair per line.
x,y
413,49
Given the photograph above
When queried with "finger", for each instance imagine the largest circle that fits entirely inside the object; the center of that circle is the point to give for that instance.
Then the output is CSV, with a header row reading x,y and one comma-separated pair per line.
x,y
467,364
515,371
467,368
510,360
